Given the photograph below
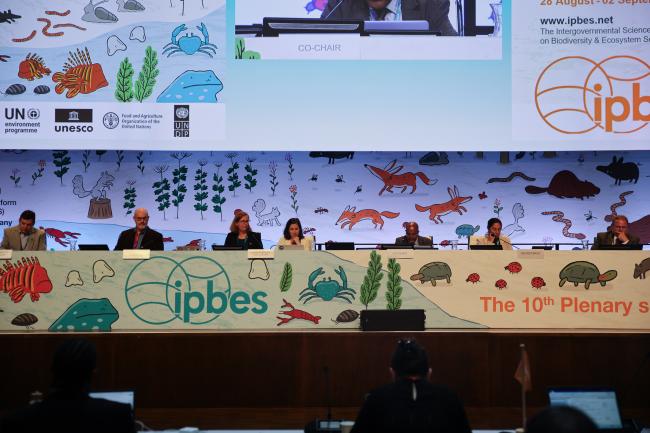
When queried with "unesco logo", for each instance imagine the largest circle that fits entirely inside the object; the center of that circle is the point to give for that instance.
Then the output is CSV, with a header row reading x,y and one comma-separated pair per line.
x,y
577,95
195,291
181,121
111,120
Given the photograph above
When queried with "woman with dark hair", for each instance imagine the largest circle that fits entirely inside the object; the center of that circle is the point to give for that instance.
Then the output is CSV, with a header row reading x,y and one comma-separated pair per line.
x,y
293,235
411,403
561,419
493,236
241,234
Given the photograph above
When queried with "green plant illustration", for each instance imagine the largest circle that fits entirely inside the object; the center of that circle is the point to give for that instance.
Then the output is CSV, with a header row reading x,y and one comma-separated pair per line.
x,y
161,189
124,85
233,176
85,160
393,286
140,158
251,182
147,79
241,53
39,171
286,278
179,175
61,162
201,188
218,199
129,197
372,280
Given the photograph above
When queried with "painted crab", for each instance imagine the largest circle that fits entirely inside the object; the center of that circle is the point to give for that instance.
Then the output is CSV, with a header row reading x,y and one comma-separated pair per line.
x,y
327,289
190,44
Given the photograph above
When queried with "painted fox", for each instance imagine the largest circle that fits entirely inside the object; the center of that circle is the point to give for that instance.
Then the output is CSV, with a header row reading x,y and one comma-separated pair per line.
x,y
351,216
389,175
440,209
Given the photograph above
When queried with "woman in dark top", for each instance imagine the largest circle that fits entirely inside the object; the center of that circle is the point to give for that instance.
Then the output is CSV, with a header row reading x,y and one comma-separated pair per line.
x,y
411,403
241,234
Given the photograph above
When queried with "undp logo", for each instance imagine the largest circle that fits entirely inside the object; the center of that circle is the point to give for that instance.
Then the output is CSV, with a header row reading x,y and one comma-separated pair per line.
x,y
576,95
196,290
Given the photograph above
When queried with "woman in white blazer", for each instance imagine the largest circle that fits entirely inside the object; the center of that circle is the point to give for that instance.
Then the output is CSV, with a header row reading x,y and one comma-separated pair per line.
x,y
293,235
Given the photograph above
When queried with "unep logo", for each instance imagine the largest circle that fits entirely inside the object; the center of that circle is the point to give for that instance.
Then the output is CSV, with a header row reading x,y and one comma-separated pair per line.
x,y
576,95
196,290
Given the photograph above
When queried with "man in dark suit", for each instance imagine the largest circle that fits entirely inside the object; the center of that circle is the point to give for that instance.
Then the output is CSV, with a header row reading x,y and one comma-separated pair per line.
x,y
142,236
436,12
24,237
68,407
616,235
412,236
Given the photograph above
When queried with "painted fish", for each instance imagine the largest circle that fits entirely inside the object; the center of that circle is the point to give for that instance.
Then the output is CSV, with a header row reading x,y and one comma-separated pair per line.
x,y
80,75
32,67
87,315
25,277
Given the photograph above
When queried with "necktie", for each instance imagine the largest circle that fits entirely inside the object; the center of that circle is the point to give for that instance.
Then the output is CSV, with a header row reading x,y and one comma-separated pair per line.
x,y
136,239
380,14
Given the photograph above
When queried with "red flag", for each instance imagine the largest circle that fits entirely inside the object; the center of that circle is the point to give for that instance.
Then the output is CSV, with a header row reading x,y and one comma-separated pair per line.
x,y
522,374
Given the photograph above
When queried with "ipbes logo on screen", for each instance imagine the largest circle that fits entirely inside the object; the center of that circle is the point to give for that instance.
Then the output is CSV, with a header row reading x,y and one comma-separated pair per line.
x,y
576,95
196,291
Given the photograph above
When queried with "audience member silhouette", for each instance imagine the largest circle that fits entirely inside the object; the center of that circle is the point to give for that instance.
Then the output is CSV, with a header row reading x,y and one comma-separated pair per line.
x,y
411,403
68,407
560,419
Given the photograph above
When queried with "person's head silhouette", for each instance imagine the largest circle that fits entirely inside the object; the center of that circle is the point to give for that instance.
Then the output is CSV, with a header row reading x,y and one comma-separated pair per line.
x,y
73,365
560,419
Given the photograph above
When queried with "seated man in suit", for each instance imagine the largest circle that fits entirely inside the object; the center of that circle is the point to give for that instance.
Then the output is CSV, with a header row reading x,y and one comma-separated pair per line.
x,y
68,407
24,237
617,234
142,236
436,12
412,236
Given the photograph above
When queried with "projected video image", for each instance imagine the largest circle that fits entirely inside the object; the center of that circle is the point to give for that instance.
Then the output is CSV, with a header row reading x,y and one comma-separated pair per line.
x,y
369,29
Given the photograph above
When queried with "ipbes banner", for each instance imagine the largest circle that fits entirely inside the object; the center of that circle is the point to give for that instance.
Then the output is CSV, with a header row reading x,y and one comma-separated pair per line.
x,y
581,70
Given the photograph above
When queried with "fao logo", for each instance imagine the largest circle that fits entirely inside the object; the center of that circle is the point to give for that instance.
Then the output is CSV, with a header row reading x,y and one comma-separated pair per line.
x,y
195,291
33,113
111,120
576,95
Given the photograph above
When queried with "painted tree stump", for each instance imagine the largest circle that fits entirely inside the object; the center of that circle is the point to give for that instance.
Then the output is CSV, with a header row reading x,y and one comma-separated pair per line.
x,y
100,209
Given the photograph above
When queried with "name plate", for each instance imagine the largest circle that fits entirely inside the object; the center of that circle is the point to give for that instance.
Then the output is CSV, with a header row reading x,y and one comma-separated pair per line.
x,y
530,254
136,254
261,254
6,254
398,254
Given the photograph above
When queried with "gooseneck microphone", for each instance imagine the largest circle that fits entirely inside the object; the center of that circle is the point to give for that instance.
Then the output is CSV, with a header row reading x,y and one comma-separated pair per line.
x,y
340,2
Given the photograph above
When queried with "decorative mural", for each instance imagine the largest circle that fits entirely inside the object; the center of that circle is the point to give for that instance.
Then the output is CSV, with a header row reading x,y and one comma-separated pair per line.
x,y
88,197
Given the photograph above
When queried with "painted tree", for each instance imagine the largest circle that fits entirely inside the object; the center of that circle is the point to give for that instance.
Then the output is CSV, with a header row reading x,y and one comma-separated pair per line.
x,y
140,158
161,189
61,162
233,175
251,182
129,197
372,280
218,199
201,188
179,176
146,81
393,286
124,82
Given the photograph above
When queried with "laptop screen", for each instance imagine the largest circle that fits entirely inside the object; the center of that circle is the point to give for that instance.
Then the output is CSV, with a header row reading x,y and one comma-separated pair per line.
x,y
599,405
125,397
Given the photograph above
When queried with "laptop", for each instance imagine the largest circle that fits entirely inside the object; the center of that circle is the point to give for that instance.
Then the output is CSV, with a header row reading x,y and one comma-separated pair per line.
x,y
543,247
291,247
93,247
396,247
396,26
485,247
126,397
216,247
599,404
332,246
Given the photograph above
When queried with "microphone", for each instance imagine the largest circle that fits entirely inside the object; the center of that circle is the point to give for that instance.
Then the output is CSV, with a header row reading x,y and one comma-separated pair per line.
x,y
340,2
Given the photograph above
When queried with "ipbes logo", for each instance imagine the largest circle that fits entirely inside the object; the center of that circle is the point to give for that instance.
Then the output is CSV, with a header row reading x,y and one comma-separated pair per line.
x,y
576,95
190,305
195,291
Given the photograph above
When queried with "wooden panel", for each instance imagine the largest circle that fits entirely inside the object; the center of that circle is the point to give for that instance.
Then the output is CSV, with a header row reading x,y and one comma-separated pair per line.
x,y
254,380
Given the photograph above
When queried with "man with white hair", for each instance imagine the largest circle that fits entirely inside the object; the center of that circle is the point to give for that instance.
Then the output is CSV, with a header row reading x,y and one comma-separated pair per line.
x,y
141,236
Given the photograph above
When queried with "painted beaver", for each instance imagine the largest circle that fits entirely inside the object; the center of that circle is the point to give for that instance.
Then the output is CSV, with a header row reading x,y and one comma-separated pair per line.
x,y
565,184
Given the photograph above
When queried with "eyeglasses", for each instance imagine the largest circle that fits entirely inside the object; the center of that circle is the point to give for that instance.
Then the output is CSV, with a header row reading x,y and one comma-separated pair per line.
x,y
141,218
